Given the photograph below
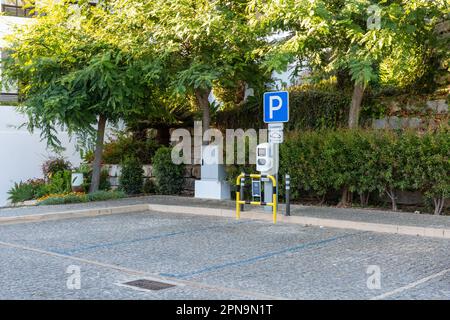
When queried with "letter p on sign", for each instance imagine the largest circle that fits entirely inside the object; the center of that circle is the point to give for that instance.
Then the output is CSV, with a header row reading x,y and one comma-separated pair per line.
x,y
276,106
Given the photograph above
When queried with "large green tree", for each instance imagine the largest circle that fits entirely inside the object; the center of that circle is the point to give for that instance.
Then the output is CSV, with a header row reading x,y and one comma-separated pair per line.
x,y
71,74
204,45
368,41
359,41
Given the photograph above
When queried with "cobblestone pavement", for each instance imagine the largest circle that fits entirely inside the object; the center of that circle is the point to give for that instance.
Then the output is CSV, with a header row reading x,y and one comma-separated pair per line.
x,y
215,258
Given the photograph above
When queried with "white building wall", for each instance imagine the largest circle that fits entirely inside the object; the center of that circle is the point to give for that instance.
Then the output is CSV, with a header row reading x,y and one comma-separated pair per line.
x,y
22,153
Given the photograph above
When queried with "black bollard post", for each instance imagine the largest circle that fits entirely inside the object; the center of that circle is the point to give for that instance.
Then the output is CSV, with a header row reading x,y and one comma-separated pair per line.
x,y
242,192
288,200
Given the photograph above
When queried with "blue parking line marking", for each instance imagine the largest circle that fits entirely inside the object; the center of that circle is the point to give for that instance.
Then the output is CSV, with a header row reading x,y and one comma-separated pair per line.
x,y
154,237
258,258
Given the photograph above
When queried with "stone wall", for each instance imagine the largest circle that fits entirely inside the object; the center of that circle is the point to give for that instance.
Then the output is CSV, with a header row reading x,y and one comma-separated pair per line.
x,y
191,173
413,116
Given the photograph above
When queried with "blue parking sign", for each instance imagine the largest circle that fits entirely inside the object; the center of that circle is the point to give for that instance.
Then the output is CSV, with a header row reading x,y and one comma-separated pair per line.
x,y
276,106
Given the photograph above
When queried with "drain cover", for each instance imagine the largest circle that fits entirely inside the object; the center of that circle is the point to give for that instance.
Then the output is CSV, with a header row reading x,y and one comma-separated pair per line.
x,y
149,284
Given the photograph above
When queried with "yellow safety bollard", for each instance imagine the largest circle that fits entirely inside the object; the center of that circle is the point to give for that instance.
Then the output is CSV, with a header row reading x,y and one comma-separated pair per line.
x,y
273,204
238,196
238,206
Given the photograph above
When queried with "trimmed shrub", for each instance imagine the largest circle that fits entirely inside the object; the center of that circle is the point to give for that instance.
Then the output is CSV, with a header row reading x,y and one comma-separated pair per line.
x,y
385,171
169,177
149,187
303,157
368,161
132,179
433,174
105,195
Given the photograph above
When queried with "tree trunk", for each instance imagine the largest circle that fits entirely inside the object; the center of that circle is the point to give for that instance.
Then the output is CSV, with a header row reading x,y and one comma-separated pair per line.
x,y
203,102
355,106
322,200
438,205
353,122
391,193
364,199
345,198
96,165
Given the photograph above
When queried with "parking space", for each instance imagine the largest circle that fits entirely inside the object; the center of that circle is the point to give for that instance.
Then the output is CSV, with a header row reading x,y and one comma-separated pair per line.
x,y
216,258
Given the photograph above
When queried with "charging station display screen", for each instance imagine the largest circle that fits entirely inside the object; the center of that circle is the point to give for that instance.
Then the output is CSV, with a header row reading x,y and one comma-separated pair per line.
x,y
261,152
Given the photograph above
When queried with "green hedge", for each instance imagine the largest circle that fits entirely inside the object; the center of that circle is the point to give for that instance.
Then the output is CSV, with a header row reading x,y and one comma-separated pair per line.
x,y
131,180
368,161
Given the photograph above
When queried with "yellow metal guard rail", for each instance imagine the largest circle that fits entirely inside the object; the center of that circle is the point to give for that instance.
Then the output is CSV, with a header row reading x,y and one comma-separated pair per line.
x,y
272,204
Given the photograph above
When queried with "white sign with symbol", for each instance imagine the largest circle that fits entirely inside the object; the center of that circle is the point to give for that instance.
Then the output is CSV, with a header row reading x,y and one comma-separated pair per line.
x,y
276,132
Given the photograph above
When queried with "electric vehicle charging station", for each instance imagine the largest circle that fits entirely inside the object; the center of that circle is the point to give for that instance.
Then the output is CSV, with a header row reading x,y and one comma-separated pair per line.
x,y
276,112
267,163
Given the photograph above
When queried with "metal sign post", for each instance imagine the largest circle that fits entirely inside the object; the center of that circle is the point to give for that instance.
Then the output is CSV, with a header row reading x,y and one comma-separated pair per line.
x,y
276,112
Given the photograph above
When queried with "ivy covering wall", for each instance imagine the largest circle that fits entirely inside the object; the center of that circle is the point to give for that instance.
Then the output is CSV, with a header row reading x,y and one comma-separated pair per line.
x,y
318,108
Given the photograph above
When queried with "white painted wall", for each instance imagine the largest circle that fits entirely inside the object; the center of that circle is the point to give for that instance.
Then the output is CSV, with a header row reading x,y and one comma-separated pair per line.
x,y
22,153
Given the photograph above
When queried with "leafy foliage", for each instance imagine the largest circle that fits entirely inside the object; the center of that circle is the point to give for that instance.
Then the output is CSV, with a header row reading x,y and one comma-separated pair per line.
x,y
426,164
132,179
125,146
168,176
149,187
60,182
309,108
71,74
24,191
67,75
80,198
367,162
335,35
55,165
103,195
314,107
86,170
202,46
338,39
302,157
